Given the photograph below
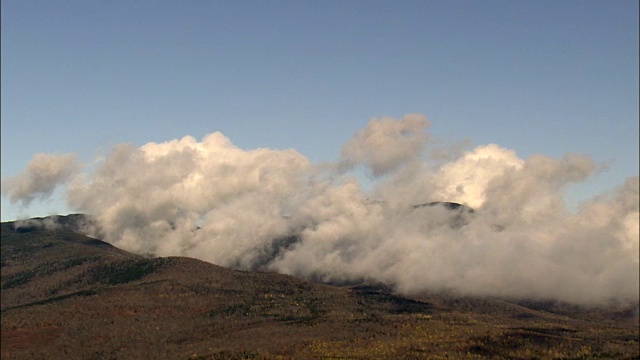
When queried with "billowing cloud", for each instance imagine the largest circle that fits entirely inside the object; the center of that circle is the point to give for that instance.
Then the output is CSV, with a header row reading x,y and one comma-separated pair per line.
x,y
462,180
385,144
43,174
275,210
466,179
151,199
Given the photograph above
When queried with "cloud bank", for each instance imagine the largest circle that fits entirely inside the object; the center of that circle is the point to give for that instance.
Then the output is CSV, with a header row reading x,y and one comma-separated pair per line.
x,y
275,210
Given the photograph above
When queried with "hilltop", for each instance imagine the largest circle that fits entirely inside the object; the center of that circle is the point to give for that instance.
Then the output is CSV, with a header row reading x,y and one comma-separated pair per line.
x,y
69,296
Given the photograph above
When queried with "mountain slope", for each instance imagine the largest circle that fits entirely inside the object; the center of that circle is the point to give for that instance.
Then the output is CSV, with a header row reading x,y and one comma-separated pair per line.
x,y
67,296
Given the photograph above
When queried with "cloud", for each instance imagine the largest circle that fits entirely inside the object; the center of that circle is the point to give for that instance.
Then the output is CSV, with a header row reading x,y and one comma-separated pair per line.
x,y
275,210
462,180
385,144
151,199
48,223
466,179
43,174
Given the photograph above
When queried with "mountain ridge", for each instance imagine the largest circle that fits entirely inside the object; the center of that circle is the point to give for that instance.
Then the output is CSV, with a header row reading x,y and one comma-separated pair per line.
x,y
66,295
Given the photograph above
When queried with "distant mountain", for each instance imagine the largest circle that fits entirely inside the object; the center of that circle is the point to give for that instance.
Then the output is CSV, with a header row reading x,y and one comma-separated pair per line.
x,y
459,215
448,205
69,296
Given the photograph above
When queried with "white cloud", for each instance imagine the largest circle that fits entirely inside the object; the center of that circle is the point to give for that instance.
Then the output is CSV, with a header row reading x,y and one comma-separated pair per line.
x,y
43,174
214,201
386,144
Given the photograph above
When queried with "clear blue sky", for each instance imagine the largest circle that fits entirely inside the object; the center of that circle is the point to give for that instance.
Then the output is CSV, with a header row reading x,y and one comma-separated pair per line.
x,y
545,77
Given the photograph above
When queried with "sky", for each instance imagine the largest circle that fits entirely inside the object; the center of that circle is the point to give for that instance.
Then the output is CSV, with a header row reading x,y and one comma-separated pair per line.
x,y
537,77
317,138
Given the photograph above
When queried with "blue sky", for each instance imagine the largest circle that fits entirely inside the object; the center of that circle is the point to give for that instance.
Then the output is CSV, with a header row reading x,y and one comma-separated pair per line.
x,y
538,77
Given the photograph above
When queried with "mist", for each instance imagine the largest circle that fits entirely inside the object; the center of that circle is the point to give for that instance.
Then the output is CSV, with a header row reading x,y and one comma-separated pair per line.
x,y
274,210
43,174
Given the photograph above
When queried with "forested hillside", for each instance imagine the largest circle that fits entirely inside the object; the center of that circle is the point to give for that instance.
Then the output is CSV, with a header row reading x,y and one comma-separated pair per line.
x,y
68,296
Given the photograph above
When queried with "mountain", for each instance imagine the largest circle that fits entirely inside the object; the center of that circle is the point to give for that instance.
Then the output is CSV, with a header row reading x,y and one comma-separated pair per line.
x,y
458,215
69,296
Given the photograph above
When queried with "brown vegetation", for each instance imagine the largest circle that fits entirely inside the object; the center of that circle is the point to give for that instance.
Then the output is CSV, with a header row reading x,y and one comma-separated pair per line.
x,y
66,296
